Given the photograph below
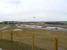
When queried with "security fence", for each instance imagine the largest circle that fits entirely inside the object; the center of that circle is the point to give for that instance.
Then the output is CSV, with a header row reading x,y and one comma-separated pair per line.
x,y
25,40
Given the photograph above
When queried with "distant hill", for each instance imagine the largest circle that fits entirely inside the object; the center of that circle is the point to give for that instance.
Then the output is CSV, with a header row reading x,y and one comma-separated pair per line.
x,y
65,22
36,23
55,23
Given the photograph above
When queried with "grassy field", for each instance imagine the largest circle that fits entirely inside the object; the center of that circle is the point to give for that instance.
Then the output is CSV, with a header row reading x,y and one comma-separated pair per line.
x,y
14,45
42,39
2,25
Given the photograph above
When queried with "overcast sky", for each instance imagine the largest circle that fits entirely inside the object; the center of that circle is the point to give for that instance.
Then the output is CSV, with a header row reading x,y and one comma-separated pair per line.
x,y
33,10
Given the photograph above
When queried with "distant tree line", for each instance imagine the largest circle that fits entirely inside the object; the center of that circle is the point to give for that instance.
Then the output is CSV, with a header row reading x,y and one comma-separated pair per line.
x,y
33,23
55,23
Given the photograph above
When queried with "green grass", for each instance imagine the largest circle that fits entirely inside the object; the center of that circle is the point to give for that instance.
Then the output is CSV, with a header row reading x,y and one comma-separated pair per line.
x,y
2,25
43,39
13,45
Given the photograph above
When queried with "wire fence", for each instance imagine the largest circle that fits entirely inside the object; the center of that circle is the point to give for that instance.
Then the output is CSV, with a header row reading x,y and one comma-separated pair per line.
x,y
19,40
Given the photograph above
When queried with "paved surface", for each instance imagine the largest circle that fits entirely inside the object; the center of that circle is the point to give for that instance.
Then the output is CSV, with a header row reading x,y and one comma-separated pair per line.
x,y
35,27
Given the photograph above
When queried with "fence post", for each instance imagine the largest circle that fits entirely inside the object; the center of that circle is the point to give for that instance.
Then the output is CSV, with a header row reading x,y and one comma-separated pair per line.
x,y
1,35
12,40
56,43
11,35
33,41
